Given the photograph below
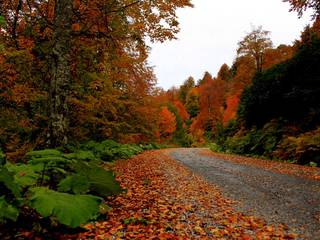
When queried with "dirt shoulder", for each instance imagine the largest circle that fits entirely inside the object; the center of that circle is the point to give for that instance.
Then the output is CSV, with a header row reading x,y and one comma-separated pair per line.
x,y
274,166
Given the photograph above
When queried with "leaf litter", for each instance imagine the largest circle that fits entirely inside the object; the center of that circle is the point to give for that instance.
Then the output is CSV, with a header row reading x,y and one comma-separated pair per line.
x,y
165,200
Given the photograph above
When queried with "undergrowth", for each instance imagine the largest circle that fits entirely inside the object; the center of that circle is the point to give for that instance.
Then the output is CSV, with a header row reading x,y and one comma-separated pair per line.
x,y
59,187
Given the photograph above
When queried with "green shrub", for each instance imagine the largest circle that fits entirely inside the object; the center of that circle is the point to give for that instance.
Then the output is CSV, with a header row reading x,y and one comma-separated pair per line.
x,y
302,149
289,90
7,211
25,175
215,147
255,141
110,150
2,158
55,184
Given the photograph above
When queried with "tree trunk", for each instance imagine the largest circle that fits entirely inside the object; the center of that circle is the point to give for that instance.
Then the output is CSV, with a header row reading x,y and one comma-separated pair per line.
x,y
60,74
258,58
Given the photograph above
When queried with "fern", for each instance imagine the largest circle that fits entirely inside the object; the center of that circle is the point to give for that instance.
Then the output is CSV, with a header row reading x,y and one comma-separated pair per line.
x,y
7,211
68,209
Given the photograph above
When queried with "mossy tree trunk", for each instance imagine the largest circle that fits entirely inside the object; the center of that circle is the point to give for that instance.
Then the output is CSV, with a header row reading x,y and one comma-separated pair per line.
x,y
60,74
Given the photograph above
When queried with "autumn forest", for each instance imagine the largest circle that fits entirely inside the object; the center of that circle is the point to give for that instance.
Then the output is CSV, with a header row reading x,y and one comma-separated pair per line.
x,y
77,94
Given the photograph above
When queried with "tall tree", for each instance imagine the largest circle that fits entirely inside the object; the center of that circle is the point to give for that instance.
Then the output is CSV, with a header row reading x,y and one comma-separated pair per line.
x,y
93,47
192,102
185,88
255,44
225,73
60,73
167,123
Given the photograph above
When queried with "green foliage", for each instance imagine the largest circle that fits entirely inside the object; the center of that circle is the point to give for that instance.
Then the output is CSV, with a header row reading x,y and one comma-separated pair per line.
x,y
7,182
185,88
110,150
215,147
44,153
152,146
77,184
2,21
7,211
290,90
192,104
313,164
71,210
180,135
50,157
253,142
149,146
54,166
2,158
25,175
52,182
302,149
101,182
81,155
223,132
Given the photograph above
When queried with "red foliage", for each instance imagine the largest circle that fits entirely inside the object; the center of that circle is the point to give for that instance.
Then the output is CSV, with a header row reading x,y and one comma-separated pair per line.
x,y
211,94
231,110
182,110
167,123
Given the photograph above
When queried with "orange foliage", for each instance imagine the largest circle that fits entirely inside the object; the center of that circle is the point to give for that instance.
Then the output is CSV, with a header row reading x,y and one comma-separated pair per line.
x,y
167,123
231,110
277,55
165,200
211,94
182,110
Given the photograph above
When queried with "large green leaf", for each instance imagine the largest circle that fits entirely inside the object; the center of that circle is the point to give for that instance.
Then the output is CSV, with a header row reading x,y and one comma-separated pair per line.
x,y
76,183
25,174
2,158
71,210
81,155
2,21
7,211
44,153
49,160
47,156
7,179
101,181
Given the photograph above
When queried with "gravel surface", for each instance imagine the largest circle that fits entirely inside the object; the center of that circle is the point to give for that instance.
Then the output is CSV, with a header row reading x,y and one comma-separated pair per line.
x,y
278,198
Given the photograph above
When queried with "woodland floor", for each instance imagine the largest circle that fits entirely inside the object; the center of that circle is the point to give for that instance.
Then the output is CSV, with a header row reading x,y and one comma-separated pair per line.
x,y
211,196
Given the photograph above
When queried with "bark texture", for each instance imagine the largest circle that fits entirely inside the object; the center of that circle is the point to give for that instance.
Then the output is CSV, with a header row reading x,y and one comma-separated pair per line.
x,y
60,74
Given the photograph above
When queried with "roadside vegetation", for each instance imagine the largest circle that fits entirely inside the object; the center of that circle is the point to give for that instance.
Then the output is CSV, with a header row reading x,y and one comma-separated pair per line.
x,y
64,188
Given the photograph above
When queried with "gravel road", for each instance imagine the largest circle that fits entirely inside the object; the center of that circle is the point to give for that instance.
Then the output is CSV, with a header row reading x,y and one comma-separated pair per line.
x,y
275,197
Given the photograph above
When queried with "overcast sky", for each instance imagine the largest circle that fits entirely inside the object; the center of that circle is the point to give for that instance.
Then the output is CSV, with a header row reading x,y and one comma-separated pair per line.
x,y
210,32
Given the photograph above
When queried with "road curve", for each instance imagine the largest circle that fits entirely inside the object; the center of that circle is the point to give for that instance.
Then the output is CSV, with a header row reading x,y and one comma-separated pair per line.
x,y
278,198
